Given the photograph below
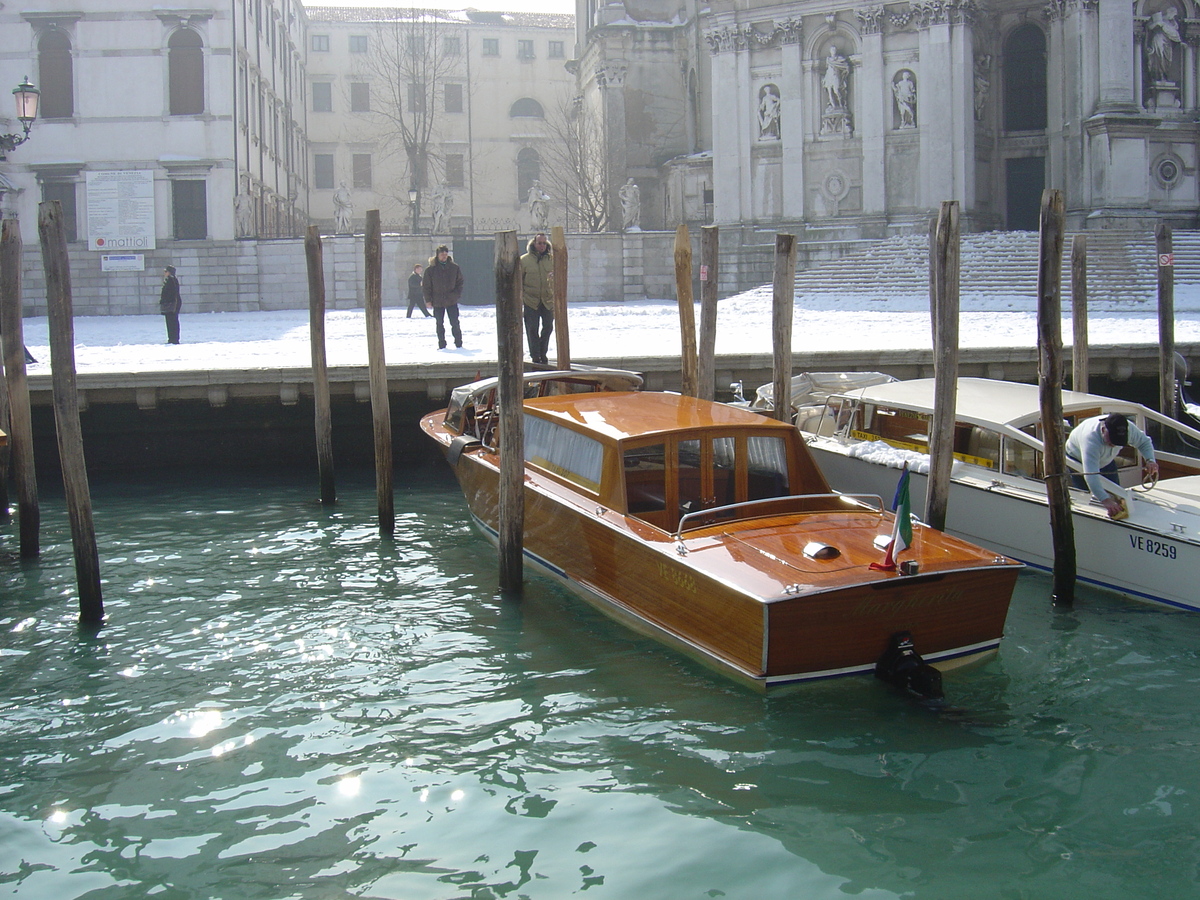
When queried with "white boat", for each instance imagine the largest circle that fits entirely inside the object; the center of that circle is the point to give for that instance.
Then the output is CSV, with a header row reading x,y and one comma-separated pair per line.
x,y
861,438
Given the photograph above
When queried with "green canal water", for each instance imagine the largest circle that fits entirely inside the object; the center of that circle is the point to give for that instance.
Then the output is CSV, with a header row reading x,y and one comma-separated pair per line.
x,y
284,705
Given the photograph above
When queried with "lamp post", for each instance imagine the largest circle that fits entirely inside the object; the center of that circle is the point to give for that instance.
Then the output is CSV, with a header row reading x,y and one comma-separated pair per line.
x,y
26,96
413,196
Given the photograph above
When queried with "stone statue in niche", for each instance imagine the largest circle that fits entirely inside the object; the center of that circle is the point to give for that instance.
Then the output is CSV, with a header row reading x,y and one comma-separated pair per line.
x,y
768,113
1162,33
983,84
837,72
904,91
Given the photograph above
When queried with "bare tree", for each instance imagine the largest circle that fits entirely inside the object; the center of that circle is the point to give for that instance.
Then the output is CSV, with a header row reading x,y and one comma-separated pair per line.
x,y
409,61
578,162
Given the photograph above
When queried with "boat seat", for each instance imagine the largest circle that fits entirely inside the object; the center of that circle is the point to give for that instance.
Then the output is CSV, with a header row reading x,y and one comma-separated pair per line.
x,y
818,423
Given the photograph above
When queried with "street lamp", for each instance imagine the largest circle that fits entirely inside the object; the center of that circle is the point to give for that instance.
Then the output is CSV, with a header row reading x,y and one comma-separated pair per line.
x,y
413,196
26,96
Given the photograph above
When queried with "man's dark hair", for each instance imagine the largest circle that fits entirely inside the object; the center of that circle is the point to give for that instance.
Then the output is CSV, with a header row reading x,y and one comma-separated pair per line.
x,y
440,248
171,269
1118,429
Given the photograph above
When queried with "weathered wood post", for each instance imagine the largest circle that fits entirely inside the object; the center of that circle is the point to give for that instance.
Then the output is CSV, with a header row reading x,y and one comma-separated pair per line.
x,y
20,432
933,277
705,368
945,364
783,300
687,311
381,412
1062,528
4,427
1079,324
66,410
510,398
562,336
313,255
1166,320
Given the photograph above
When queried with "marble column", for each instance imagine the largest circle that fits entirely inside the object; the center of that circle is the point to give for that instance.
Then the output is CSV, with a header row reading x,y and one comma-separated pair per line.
x,y
1116,56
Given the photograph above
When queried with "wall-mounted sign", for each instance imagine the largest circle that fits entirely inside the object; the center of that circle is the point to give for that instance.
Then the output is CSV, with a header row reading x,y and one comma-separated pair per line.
x,y
120,207
122,262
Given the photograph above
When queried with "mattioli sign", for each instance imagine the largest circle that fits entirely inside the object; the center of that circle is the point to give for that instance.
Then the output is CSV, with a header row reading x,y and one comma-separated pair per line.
x,y
120,208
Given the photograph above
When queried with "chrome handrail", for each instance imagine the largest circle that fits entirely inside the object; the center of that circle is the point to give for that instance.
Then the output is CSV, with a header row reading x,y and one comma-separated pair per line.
x,y
679,529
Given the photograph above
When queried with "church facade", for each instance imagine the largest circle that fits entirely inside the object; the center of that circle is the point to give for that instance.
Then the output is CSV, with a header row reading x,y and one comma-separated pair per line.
x,y
849,122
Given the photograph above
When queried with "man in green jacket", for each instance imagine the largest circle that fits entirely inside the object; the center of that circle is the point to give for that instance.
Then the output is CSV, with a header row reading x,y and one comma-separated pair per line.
x,y
537,291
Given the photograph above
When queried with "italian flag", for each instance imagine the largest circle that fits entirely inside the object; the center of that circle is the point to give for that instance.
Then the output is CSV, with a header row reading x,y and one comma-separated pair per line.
x,y
902,529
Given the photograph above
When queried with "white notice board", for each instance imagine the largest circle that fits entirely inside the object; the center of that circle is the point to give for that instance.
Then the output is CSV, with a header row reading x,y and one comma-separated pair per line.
x,y
120,210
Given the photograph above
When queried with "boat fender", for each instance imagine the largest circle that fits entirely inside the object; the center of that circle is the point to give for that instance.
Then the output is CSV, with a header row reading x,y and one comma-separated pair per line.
x,y
902,667
458,445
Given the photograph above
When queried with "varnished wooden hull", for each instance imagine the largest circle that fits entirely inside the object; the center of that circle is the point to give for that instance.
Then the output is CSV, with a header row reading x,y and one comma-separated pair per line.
x,y
733,601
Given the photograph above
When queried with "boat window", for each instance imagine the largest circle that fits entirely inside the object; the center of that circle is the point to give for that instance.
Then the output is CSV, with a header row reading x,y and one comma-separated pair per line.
x,y
724,471
645,479
1021,459
982,447
899,427
566,453
690,476
767,467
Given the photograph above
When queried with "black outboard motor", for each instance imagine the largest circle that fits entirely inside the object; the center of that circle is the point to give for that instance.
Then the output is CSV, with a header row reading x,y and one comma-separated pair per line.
x,y
901,666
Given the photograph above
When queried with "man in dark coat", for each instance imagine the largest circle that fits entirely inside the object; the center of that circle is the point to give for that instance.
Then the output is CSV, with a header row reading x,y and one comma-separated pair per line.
x,y
169,304
415,295
442,286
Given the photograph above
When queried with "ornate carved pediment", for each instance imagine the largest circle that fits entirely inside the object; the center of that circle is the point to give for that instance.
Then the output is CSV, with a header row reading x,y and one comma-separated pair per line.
x,y
757,34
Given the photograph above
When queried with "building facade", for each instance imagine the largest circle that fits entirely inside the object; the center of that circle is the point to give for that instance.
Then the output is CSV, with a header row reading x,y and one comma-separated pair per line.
x,y
443,120
159,123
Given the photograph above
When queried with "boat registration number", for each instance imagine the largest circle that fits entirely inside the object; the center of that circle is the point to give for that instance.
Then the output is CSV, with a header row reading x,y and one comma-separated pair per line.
x,y
1156,548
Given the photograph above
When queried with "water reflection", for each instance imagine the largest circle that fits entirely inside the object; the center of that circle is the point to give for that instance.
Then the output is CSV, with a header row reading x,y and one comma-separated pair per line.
x,y
282,704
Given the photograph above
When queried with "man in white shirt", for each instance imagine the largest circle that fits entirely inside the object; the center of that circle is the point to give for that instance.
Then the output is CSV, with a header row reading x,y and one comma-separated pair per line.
x,y
1095,443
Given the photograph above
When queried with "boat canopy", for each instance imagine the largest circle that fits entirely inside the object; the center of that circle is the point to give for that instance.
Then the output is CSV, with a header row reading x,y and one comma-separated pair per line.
x,y
538,384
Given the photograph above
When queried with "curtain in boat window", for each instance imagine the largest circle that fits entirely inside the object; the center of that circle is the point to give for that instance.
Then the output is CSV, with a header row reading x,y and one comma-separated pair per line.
x,y
767,467
567,453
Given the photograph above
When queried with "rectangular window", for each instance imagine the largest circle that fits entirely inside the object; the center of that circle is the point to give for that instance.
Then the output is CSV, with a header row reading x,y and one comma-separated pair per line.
x,y
323,171
491,46
362,170
322,96
320,43
568,454
360,96
525,49
358,43
454,98
452,46
454,169
416,98
557,50
189,208
64,193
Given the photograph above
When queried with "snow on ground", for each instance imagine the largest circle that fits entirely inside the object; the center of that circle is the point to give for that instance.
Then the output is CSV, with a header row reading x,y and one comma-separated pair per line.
x,y
597,330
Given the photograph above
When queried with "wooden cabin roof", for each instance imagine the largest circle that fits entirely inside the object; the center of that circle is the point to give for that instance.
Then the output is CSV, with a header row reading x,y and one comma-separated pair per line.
x,y
619,416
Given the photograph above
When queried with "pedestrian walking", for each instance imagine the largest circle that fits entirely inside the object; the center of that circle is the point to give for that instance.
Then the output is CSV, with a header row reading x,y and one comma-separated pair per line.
x,y
416,296
442,287
537,293
169,304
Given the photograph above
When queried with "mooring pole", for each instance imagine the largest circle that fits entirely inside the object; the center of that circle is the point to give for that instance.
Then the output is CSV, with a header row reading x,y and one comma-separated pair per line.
x,y
66,410
1062,528
945,364
562,336
1166,320
20,433
687,311
1079,323
783,300
4,427
511,400
706,365
313,255
381,413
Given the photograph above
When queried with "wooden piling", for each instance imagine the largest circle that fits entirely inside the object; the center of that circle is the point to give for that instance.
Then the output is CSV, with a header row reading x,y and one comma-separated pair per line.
x,y
1062,528
4,427
1079,324
562,336
783,300
1166,320
510,399
381,413
56,265
687,311
707,349
314,256
20,432
945,363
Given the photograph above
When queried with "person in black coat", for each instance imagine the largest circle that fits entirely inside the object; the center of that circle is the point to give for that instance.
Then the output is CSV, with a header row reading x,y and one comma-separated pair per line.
x,y
169,304
415,296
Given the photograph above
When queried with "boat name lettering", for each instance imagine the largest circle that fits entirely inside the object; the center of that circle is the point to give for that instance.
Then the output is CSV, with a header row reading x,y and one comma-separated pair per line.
x,y
1157,548
872,605
682,580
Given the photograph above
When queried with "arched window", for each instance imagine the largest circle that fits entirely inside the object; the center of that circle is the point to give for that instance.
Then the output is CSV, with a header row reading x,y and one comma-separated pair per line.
x,y
185,54
527,108
529,170
56,76
1025,80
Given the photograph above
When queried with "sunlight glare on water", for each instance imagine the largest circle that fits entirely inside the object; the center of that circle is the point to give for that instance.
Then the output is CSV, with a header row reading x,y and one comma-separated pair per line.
x,y
284,705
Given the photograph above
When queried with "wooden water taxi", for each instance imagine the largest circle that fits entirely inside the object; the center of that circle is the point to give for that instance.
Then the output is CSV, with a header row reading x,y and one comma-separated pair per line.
x,y
997,495
712,529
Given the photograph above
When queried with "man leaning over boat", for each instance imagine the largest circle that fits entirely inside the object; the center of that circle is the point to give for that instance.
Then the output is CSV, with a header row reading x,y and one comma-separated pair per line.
x,y
1095,444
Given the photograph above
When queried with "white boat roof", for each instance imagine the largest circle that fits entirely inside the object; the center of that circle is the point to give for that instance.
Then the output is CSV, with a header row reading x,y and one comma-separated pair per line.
x,y
983,401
